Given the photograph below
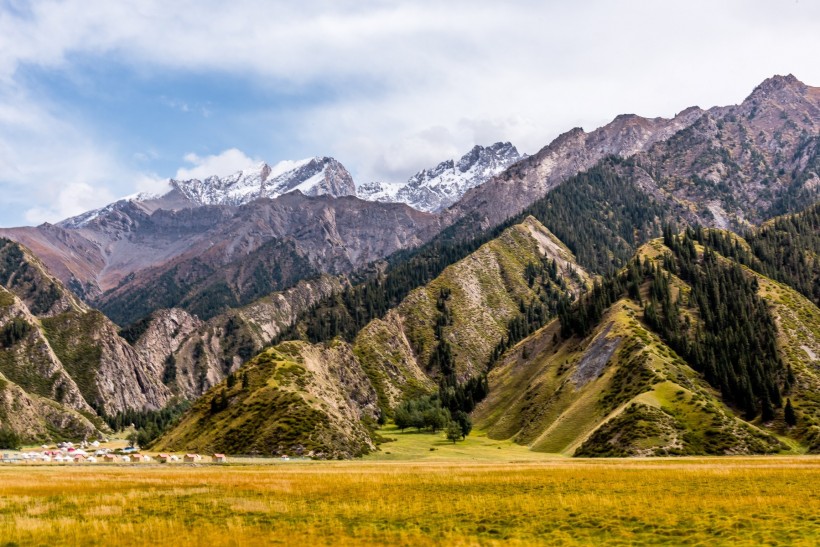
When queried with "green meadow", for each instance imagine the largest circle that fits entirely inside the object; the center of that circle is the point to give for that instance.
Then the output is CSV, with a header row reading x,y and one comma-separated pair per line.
x,y
477,492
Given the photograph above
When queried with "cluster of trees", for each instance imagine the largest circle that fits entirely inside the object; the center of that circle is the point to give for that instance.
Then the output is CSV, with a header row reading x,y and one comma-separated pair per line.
x,y
617,216
14,331
427,412
345,314
735,343
583,316
13,265
148,424
454,396
552,294
9,439
788,250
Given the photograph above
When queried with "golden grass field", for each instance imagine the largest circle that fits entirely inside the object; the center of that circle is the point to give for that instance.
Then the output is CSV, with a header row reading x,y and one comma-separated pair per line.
x,y
447,498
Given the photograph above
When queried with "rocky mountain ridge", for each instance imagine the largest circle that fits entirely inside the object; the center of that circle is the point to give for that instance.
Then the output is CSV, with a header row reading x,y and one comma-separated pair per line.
x,y
731,166
65,368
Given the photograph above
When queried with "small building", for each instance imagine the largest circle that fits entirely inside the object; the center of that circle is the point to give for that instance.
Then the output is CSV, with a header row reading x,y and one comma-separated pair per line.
x,y
191,458
109,458
79,458
163,458
137,458
219,458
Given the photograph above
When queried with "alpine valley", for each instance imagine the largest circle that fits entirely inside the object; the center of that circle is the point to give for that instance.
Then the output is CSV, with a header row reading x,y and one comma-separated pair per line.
x,y
648,288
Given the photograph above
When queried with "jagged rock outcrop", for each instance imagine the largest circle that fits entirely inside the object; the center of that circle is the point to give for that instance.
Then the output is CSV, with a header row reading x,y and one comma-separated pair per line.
x,y
312,177
191,355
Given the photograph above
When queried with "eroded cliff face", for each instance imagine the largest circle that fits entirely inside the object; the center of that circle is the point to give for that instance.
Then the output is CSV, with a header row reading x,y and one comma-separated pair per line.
x,y
27,359
191,355
71,359
62,350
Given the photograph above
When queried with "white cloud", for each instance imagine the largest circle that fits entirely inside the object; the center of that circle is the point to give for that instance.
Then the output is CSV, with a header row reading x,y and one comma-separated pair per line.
x,y
51,169
151,183
410,83
225,163
73,199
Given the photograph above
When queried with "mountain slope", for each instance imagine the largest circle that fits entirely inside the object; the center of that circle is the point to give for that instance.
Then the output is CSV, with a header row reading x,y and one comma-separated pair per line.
x,y
68,351
469,307
203,249
570,153
267,246
637,376
197,355
291,399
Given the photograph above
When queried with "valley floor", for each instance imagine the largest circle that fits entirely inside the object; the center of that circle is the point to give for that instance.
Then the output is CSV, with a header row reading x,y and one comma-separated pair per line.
x,y
729,501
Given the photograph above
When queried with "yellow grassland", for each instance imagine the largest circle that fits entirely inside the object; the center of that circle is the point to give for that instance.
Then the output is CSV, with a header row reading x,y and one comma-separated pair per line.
x,y
704,501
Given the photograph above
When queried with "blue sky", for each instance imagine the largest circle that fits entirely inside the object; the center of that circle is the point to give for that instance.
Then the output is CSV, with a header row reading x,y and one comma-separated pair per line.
x,y
101,99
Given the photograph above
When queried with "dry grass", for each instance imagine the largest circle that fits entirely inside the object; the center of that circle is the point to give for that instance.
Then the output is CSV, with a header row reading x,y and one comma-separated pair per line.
x,y
728,501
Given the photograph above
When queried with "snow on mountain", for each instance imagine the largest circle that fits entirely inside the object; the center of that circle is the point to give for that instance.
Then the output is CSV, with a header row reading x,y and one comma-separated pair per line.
x,y
312,177
428,190
380,191
435,189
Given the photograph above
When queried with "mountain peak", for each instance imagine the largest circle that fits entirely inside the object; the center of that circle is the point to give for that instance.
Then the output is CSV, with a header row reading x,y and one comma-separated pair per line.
x,y
437,188
311,176
777,84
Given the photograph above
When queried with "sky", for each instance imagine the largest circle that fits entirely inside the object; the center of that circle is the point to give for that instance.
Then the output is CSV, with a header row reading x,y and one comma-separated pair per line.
x,y
101,99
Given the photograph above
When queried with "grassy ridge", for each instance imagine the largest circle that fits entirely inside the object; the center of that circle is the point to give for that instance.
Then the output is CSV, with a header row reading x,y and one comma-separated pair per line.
x,y
615,502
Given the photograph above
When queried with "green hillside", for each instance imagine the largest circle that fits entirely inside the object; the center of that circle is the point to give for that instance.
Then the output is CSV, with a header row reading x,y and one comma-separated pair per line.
x,y
683,352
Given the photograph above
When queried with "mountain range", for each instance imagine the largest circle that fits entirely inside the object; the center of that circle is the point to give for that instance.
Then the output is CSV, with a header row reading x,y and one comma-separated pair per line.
x,y
560,299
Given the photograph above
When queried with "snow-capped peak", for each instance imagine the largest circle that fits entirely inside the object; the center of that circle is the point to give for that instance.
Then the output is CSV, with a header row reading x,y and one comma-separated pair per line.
x,y
311,176
439,187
